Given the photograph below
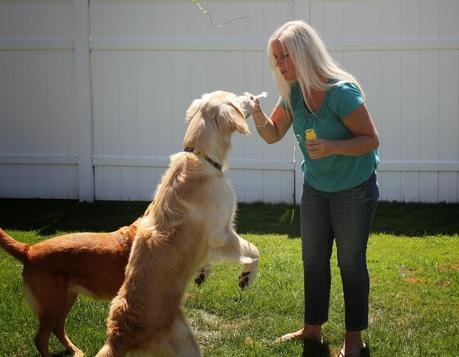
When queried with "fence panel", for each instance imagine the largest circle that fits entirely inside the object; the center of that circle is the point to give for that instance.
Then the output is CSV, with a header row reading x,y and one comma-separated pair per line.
x,y
405,53
96,115
38,146
145,74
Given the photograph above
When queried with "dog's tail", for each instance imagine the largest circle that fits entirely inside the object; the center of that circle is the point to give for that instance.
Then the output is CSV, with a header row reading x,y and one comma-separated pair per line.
x,y
13,247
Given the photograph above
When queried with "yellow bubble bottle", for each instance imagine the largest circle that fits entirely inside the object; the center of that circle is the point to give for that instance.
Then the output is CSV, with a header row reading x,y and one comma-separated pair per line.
x,y
310,134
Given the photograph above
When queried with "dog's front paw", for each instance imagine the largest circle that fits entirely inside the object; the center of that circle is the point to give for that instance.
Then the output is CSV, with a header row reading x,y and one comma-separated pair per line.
x,y
203,274
246,279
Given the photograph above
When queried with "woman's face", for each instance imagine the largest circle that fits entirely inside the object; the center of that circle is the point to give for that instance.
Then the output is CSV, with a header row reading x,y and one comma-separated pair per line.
x,y
283,61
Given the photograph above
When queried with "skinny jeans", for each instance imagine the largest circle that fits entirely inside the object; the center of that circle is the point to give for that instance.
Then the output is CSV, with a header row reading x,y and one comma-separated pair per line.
x,y
345,216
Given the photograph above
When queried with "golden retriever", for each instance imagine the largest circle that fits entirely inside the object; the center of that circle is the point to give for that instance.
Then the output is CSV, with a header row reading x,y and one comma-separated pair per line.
x,y
189,223
58,269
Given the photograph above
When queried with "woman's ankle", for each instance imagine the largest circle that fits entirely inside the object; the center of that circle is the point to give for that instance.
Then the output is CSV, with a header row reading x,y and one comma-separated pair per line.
x,y
352,341
313,332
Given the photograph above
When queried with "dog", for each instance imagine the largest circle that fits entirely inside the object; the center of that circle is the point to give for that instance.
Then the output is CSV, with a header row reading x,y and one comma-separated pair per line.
x,y
58,269
188,224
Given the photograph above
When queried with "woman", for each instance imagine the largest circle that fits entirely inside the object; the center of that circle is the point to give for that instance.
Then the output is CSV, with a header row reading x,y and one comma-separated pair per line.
x,y
340,191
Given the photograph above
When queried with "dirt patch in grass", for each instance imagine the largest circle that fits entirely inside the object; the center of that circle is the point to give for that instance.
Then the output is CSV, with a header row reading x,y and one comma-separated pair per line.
x,y
444,268
443,284
414,280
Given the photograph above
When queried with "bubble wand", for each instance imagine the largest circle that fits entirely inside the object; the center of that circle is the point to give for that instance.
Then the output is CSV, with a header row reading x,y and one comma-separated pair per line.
x,y
206,12
262,95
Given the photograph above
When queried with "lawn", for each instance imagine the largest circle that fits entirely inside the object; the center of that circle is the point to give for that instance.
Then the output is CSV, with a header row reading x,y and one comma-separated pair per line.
x,y
413,258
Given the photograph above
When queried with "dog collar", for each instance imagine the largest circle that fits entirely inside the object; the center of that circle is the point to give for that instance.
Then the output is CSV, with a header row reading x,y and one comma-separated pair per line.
x,y
207,158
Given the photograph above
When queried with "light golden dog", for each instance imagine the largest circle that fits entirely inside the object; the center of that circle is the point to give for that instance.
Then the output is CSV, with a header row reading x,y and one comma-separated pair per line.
x,y
189,223
58,269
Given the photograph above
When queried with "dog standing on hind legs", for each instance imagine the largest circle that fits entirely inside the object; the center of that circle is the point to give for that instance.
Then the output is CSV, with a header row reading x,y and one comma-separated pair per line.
x,y
57,270
189,223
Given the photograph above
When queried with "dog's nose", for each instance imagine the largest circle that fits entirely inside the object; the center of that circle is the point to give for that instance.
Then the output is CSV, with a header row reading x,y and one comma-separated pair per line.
x,y
244,101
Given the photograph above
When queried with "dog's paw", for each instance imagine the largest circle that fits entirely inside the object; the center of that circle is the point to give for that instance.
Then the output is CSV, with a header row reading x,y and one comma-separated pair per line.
x,y
203,274
246,279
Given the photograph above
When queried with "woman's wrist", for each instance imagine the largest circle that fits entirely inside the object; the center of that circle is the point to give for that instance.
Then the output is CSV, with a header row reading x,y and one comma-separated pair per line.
x,y
259,118
261,124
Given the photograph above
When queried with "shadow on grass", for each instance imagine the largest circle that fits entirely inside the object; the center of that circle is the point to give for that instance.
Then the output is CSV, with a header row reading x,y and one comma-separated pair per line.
x,y
51,216
316,349
400,219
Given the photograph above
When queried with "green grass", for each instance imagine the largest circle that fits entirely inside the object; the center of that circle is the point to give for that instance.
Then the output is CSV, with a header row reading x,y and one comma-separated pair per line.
x,y
413,258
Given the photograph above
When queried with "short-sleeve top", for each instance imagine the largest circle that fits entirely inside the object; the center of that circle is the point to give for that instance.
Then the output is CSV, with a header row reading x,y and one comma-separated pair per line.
x,y
336,172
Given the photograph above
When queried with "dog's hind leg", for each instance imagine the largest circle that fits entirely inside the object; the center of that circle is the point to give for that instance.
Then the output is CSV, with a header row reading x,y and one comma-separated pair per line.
x,y
182,341
106,351
59,330
34,284
42,337
48,297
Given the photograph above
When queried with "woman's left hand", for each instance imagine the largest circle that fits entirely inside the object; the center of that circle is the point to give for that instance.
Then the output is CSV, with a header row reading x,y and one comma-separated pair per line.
x,y
320,148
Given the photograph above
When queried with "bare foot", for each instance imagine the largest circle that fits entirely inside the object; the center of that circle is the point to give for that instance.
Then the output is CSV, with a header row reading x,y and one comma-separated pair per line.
x,y
312,332
297,335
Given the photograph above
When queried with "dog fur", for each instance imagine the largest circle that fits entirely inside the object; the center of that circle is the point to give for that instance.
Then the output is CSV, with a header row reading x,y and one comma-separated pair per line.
x,y
58,269
189,223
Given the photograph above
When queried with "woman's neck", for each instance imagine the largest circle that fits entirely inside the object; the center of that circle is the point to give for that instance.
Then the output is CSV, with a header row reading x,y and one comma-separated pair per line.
x,y
315,100
317,96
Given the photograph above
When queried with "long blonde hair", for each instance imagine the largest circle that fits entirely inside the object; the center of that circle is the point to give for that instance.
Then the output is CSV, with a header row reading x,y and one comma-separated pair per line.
x,y
311,59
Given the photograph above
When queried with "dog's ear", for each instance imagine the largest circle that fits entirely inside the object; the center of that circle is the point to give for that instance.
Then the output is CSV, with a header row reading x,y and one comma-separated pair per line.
x,y
193,109
234,117
196,133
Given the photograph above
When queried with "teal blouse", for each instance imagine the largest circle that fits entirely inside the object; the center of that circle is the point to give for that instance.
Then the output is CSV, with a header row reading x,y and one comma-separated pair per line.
x,y
336,172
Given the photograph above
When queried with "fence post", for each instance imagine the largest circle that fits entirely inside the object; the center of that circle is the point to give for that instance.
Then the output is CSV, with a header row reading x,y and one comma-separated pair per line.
x,y
83,101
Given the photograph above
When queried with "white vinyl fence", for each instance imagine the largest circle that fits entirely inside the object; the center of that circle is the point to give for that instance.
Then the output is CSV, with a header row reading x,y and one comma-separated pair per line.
x,y
93,94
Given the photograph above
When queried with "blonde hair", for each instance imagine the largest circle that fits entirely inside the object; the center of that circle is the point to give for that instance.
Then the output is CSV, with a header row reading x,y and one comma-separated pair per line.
x,y
311,59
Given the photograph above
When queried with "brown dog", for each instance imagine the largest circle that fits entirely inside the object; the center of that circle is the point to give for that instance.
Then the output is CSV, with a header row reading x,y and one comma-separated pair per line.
x,y
189,223
58,269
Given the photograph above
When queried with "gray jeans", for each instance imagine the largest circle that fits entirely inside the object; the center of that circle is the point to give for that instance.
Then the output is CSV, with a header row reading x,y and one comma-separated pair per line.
x,y
345,216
